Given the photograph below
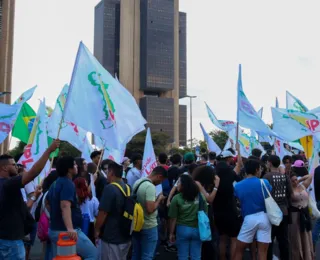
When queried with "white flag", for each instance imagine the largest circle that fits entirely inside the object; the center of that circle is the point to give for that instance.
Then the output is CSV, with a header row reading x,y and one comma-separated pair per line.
x,y
149,161
212,146
98,103
280,150
69,131
8,115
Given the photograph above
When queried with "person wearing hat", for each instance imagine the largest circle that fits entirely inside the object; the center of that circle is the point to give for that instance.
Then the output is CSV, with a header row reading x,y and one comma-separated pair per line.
x,y
299,169
189,161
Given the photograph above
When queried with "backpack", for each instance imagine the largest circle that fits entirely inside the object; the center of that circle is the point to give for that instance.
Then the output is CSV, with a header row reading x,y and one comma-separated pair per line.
x,y
133,215
43,224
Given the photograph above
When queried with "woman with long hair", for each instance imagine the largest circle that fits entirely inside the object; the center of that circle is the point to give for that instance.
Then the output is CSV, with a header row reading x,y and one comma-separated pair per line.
x,y
82,169
300,236
183,213
89,206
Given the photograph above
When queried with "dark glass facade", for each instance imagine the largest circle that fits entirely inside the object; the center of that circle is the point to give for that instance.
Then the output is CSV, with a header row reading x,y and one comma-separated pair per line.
x,y
159,113
157,53
182,54
157,45
183,125
107,34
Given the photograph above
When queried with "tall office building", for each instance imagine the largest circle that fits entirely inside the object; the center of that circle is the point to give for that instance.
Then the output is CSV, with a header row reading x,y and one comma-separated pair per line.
x,y
6,52
143,42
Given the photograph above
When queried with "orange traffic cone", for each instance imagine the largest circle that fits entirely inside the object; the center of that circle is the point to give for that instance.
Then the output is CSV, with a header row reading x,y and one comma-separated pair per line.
x,y
66,248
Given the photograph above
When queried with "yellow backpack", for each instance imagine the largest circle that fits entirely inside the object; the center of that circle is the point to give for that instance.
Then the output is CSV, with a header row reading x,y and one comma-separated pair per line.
x,y
133,215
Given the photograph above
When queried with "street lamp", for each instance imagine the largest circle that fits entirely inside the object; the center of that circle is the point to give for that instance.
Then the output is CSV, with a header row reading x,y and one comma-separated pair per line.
x,y
190,97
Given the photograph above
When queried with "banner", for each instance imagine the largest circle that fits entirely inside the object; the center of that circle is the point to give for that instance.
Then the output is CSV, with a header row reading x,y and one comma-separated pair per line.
x,y
8,115
99,104
294,103
37,144
247,115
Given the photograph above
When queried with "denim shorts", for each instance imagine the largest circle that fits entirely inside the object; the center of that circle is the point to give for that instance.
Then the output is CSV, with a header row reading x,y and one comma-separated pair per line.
x,y
12,250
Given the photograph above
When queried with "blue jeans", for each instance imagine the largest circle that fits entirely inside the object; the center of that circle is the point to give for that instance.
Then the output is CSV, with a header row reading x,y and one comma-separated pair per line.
x,y
144,244
316,228
12,250
188,243
48,255
85,248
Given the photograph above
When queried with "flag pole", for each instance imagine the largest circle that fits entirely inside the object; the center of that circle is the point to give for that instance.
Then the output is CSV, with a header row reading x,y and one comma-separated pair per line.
x,y
238,102
100,160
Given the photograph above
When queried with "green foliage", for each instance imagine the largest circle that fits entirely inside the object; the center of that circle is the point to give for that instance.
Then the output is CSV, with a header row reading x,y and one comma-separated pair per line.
x,y
18,149
65,148
220,137
160,141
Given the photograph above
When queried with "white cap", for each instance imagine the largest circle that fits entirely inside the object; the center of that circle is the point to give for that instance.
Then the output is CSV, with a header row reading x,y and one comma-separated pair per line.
x,y
226,154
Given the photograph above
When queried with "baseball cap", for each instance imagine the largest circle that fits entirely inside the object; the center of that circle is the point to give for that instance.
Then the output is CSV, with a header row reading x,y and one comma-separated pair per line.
x,y
298,164
226,154
189,157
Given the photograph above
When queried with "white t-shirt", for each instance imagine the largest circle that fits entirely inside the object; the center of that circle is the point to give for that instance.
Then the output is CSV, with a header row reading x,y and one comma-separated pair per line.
x,y
90,207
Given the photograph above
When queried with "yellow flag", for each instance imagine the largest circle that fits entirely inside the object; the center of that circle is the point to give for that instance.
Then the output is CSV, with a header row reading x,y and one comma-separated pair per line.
x,y
307,144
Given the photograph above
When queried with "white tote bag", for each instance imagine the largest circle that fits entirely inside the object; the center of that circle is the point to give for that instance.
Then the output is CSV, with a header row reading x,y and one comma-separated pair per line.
x,y
273,211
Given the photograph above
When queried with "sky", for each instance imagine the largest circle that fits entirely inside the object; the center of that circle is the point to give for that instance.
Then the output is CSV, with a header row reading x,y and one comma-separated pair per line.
x,y
276,42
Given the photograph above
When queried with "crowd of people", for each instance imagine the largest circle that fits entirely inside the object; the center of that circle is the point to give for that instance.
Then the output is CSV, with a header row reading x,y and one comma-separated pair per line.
x,y
90,202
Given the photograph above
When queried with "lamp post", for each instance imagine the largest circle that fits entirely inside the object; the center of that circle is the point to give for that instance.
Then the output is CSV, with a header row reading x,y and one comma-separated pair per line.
x,y
190,97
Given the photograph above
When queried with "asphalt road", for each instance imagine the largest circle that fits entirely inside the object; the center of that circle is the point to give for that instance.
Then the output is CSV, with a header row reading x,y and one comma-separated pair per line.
x,y
37,249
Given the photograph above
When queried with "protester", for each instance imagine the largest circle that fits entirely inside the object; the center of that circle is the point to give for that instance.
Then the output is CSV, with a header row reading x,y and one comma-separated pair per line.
x,y
287,162
115,243
299,169
212,159
100,180
256,223
135,173
145,241
226,216
208,184
281,193
256,152
300,237
125,165
65,213
203,159
183,213
15,218
89,207
82,169
316,183
95,157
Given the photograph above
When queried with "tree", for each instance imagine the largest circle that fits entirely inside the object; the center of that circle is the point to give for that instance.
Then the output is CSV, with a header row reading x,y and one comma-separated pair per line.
x,y
160,141
65,148
220,137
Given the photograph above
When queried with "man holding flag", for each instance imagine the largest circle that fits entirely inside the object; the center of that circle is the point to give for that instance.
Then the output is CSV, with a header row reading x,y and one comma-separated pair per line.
x,y
15,218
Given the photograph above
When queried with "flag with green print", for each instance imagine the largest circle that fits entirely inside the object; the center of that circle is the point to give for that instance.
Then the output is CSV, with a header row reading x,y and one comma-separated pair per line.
x,y
99,104
37,143
69,131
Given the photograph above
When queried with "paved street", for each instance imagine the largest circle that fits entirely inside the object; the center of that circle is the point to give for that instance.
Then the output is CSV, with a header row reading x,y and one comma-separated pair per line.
x,y
36,253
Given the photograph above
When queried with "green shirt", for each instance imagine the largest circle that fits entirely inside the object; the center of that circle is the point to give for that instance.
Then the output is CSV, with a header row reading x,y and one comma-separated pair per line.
x,y
186,212
147,192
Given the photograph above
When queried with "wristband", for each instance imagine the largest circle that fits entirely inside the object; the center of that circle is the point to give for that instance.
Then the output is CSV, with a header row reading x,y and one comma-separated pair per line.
x,y
216,189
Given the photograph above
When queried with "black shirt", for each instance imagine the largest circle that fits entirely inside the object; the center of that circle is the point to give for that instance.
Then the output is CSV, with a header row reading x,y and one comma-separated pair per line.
x,y
100,183
112,202
225,202
316,181
12,209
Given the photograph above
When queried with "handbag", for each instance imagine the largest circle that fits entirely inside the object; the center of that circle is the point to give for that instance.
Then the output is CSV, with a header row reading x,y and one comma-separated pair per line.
x,y
312,206
274,213
203,222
